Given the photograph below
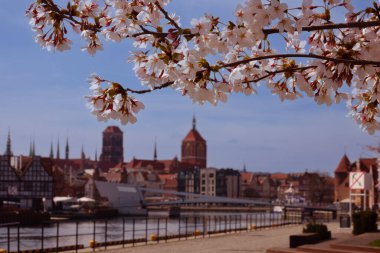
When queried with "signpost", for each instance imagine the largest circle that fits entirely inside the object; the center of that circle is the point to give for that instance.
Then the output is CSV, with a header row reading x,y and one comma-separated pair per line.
x,y
359,181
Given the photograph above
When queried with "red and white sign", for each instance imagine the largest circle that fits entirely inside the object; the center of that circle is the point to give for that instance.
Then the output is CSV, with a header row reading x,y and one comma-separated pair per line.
x,y
360,181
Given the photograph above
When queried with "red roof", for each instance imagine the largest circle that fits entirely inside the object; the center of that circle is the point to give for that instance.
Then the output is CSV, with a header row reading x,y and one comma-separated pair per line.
x,y
246,177
343,165
279,176
194,135
112,129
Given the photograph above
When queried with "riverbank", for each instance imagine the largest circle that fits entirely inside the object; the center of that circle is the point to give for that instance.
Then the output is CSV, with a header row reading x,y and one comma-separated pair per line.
x,y
254,241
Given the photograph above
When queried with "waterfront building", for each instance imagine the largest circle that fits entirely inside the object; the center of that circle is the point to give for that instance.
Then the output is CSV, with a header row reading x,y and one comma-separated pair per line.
x,y
208,181
27,181
169,181
189,180
342,188
228,183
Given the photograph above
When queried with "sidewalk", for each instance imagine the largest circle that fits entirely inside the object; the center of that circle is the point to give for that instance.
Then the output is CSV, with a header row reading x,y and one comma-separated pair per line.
x,y
255,242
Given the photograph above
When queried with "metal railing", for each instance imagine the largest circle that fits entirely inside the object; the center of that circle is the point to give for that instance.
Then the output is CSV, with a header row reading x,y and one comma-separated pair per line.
x,y
74,235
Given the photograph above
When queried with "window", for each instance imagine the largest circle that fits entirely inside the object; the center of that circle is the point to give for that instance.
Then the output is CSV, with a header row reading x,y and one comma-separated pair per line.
x,y
203,188
211,175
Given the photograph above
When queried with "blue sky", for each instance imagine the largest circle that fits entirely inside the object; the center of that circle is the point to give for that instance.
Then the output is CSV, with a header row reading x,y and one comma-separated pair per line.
x,y
42,97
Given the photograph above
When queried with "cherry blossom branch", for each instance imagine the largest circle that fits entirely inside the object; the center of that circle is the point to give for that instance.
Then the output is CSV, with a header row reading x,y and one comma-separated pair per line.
x,y
166,14
314,56
330,26
162,86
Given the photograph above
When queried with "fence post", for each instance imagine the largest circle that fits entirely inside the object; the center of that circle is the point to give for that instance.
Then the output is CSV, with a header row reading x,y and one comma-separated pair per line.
x,y
235,223
9,237
204,226
105,233
179,228
215,227
76,236
240,223
158,230
186,220
195,226
166,229
225,224
42,237
18,237
57,244
133,231
146,230
123,232
94,236
209,226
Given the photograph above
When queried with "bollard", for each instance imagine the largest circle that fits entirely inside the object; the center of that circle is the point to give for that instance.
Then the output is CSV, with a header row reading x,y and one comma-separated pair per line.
x,y
153,237
92,244
197,232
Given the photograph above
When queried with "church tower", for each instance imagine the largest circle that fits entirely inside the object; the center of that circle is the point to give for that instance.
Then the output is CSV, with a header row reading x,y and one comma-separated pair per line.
x,y
112,150
8,149
194,148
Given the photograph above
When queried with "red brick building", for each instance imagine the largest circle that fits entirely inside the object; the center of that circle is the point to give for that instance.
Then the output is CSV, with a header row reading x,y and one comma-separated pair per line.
x,y
194,149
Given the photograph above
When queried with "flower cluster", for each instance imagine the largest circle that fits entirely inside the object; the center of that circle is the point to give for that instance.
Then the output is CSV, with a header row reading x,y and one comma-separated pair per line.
x,y
317,57
113,102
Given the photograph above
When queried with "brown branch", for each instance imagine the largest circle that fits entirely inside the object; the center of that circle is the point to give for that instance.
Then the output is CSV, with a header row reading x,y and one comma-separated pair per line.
x,y
166,14
314,56
330,26
162,86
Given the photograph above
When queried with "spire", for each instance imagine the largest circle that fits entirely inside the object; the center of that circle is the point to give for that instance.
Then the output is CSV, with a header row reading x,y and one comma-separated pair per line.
x,y
244,168
67,149
58,153
83,156
194,122
155,150
34,148
8,151
51,151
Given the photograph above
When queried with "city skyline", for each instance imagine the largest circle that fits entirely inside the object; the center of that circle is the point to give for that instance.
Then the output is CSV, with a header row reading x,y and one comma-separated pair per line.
x,y
42,98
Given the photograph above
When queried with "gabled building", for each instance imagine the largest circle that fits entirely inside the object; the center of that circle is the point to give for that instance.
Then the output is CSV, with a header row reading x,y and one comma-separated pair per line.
x,y
342,188
9,180
27,181
341,191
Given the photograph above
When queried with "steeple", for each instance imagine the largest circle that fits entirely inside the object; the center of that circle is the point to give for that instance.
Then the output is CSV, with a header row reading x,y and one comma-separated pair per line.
x,y
67,149
83,155
58,153
34,148
51,151
8,151
155,150
194,122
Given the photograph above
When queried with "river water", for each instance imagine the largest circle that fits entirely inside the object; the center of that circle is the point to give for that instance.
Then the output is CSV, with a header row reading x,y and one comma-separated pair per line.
x,y
65,233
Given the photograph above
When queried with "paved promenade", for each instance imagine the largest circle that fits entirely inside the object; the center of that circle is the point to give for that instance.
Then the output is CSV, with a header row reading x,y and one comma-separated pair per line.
x,y
255,242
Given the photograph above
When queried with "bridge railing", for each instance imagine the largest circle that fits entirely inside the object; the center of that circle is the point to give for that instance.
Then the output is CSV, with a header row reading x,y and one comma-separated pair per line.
x,y
128,232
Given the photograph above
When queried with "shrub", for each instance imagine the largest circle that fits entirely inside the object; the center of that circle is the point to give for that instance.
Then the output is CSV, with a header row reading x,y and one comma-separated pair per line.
x,y
320,229
364,221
